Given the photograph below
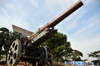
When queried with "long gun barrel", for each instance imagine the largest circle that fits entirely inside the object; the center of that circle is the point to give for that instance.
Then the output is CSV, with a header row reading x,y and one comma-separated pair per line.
x,y
61,17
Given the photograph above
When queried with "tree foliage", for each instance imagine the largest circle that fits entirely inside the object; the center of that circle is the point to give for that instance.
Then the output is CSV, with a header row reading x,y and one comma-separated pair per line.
x,y
59,45
6,38
68,49
76,55
95,54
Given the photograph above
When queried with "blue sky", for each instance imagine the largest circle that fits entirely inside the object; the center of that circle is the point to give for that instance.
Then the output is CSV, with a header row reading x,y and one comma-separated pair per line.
x,y
82,27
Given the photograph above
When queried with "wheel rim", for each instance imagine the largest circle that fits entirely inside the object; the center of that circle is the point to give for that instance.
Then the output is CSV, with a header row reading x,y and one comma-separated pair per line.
x,y
43,57
14,53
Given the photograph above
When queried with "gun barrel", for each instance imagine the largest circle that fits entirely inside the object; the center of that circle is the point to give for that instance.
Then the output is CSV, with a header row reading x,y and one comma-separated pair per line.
x,y
61,16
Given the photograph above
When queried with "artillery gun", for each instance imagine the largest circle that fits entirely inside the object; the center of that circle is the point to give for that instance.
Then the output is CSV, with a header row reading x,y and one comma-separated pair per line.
x,y
30,48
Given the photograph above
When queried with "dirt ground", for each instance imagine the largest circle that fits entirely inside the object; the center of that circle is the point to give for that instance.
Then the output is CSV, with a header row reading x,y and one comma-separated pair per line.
x,y
22,64
57,65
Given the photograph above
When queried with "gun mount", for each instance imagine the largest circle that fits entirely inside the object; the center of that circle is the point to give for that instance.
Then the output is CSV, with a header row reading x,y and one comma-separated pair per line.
x,y
30,49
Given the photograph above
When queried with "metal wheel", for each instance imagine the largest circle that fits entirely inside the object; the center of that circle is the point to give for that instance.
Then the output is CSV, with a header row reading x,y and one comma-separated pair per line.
x,y
14,53
43,57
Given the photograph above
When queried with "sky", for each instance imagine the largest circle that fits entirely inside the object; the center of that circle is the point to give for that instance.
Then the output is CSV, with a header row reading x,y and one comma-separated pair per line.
x,y
82,27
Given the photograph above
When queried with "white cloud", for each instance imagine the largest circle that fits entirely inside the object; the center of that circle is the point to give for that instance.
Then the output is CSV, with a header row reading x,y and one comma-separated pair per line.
x,y
7,22
85,39
90,27
58,6
12,13
59,3
73,21
86,45
23,14
34,3
88,1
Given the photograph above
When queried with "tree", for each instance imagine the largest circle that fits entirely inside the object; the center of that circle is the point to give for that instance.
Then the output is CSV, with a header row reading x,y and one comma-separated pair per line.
x,y
4,29
76,55
95,54
68,50
5,39
3,33
58,45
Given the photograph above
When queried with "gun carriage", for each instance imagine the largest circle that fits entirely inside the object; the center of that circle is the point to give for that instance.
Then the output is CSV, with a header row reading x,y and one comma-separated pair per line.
x,y
30,48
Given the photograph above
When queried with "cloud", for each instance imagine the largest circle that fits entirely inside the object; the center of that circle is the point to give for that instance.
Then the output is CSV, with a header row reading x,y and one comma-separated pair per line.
x,y
59,3
87,38
58,6
7,22
12,13
34,3
81,27
88,1
74,20
91,26
86,45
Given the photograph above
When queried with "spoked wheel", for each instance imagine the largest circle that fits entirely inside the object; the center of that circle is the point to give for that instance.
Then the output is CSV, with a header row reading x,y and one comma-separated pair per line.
x,y
14,53
43,57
